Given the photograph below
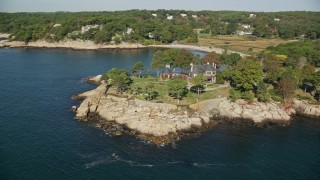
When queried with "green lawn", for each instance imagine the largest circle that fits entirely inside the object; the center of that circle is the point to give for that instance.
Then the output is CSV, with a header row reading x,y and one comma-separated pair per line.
x,y
162,88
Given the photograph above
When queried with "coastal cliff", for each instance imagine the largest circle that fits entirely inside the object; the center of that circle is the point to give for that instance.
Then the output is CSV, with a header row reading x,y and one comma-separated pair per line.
x,y
161,123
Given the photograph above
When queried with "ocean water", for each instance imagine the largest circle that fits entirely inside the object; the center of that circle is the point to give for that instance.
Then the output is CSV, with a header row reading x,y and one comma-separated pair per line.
x,y
40,139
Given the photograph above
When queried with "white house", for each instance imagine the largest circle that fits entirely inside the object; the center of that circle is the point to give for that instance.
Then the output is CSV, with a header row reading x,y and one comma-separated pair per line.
x,y
56,25
198,31
194,16
169,17
154,15
151,36
243,33
129,31
252,15
88,27
183,15
276,19
246,26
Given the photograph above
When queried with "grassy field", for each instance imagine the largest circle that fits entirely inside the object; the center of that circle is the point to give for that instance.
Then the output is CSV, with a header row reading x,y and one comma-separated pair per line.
x,y
162,88
239,43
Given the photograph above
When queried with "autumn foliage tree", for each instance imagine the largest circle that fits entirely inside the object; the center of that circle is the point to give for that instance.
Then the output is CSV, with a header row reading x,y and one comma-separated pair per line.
x,y
211,57
286,87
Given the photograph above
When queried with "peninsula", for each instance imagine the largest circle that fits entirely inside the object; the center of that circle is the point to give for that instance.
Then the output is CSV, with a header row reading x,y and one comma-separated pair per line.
x,y
161,123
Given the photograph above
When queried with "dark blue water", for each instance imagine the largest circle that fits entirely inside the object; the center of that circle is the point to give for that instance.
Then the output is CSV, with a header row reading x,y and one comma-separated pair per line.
x,y
39,138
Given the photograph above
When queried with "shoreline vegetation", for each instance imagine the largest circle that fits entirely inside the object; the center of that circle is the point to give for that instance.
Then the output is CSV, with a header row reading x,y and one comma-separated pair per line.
x,y
162,123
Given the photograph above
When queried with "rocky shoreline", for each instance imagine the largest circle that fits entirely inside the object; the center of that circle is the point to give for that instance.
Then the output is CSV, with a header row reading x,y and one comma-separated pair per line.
x,y
90,45
161,123
71,44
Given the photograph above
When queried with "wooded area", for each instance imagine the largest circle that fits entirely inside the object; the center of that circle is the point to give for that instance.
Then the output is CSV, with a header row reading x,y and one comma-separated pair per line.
x,y
164,26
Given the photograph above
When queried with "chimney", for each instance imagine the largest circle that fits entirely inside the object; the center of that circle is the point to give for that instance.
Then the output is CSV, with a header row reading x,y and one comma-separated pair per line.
x,y
214,65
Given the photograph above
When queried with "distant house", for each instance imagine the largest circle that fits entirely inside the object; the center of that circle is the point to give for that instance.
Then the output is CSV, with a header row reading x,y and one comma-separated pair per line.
x,y
183,15
194,16
129,31
88,27
276,19
169,17
198,31
56,25
208,71
243,33
252,15
246,26
151,36
154,15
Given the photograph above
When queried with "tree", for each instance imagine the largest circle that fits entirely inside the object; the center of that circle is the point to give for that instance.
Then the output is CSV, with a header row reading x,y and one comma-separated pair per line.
x,y
273,70
182,58
306,71
246,74
137,68
151,93
157,62
193,38
117,40
229,59
234,58
198,84
314,79
286,87
234,94
262,92
136,90
119,78
102,36
211,57
177,88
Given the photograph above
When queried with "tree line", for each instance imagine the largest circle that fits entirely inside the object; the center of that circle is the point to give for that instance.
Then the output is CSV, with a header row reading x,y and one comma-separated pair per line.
x,y
148,28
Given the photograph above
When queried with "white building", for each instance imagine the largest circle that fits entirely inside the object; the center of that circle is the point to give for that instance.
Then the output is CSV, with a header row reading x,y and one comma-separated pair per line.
x,y
183,15
276,19
246,26
243,33
151,36
88,27
154,15
169,17
129,31
252,15
56,25
194,16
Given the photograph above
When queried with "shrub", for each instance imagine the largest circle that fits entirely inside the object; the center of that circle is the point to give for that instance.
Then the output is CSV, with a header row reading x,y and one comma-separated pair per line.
x,y
219,79
249,96
234,94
